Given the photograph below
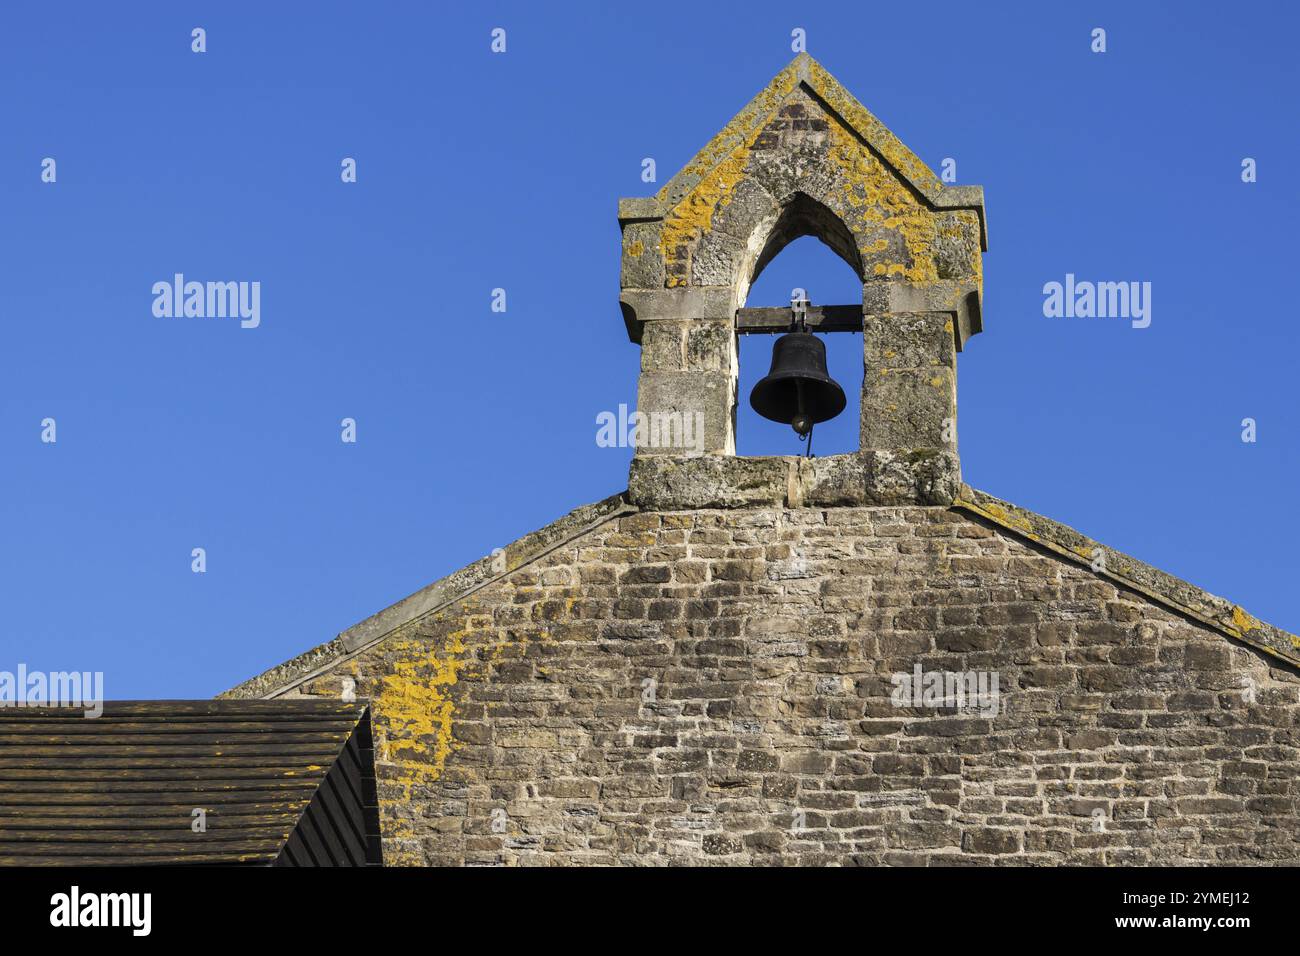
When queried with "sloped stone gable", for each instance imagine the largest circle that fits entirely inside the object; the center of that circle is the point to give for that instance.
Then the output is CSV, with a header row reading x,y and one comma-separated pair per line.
x,y
714,687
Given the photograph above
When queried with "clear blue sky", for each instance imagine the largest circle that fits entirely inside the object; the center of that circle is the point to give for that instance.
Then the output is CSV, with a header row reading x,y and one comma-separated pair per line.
x,y
478,171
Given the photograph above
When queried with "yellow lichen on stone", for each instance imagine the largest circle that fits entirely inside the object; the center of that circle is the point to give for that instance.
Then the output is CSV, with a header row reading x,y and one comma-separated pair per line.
x,y
416,709
693,216
873,198
1005,517
971,221
738,130
1242,621
898,155
719,166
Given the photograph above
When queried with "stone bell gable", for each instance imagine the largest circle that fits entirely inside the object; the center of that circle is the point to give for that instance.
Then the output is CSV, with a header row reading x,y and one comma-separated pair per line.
x,y
856,659
804,158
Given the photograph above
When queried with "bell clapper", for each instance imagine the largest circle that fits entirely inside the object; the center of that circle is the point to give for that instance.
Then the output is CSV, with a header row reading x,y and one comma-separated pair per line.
x,y
802,422
807,436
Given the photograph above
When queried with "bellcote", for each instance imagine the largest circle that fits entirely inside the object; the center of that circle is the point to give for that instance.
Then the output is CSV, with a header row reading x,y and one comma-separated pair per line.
x,y
803,158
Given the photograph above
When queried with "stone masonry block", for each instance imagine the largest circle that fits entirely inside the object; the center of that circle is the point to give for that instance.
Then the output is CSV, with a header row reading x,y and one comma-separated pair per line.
x,y
909,392
711,347
697,406
663,347
642,265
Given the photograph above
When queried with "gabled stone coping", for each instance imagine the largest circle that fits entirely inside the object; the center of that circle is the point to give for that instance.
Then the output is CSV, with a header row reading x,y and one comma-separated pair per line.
x,y
1164,589
439,594
804,69
1160,587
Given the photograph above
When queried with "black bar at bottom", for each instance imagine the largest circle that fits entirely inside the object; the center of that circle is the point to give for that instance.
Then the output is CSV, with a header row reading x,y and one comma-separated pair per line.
x,y
934,907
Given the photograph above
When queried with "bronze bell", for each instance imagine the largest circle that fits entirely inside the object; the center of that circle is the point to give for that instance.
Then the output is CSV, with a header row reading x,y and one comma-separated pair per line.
x,y
798,391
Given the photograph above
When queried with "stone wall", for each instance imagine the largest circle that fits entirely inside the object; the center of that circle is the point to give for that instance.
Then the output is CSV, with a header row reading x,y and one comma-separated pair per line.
x,y
714,687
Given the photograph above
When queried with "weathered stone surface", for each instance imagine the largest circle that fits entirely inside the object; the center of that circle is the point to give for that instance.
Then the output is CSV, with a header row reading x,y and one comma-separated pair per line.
x,y
792,164
643,266
663,346
664,482
687,412
909,341
710,346
924,476
717,686
690,303
832,481
1188,599
673,481
803,158
909,408
957,246
717,259
438,594
909,392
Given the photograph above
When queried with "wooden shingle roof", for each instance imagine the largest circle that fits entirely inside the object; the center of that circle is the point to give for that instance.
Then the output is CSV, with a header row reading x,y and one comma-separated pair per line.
x,y
286,782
